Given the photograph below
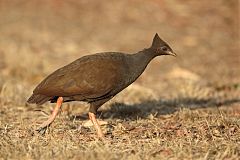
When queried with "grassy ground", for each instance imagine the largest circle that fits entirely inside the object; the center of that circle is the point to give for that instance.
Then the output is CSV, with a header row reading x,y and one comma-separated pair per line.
x,y
180,108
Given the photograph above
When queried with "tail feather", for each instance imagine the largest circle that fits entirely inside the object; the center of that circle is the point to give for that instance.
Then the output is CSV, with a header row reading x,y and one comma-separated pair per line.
x,y
38,99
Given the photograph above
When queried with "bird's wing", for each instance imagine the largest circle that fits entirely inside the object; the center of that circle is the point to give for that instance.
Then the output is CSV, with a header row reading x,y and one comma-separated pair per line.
x,y
91,77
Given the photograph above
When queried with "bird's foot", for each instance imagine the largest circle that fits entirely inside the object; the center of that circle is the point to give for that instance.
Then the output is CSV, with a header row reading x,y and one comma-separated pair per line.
x,y
43,127
96,125
41,130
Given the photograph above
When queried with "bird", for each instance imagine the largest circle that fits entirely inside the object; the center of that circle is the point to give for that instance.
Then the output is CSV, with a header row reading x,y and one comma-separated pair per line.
x,y
95,79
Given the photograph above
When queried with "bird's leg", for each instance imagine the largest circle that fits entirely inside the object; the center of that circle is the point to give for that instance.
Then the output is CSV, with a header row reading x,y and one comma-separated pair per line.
x,y
42,128
96,125
92,115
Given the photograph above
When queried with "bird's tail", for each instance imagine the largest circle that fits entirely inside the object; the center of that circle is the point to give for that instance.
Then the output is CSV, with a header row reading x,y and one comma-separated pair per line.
x,y
38,99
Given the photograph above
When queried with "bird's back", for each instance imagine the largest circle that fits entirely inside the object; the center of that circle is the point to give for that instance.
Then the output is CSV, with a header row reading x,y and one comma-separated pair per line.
x,y
87,78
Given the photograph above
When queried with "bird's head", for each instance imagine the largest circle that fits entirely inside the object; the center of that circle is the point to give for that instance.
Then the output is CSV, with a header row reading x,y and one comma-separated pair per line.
x,y
160,47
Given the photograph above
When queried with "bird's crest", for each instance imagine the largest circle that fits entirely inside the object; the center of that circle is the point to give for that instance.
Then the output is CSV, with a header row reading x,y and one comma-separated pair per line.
x,y
157,41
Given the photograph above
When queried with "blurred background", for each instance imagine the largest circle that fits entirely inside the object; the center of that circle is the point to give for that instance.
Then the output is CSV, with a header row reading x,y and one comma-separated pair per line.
x,y
187,106
37,37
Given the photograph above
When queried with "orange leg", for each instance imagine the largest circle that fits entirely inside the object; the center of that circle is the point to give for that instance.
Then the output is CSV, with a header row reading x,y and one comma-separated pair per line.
x,y
42,128
92,117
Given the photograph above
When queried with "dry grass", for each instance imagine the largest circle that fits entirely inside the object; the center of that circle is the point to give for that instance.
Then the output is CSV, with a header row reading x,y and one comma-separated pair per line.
x,y
184,108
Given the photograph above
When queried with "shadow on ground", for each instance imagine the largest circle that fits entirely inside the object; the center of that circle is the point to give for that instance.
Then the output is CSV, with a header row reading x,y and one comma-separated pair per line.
x,y
162,107
158,107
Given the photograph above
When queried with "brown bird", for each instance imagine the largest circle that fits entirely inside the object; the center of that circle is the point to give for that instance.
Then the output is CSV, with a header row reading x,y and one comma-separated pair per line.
x,y
95,79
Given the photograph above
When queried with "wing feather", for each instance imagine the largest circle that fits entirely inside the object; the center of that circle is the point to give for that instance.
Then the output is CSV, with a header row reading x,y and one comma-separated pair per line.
x,y
91,76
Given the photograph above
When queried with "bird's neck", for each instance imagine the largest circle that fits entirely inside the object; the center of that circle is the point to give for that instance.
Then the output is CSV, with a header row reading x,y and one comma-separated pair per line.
x,y
140,60
145,56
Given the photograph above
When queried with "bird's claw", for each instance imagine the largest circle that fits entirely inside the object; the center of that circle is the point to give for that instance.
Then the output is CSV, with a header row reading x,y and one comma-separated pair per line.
x,y
42,130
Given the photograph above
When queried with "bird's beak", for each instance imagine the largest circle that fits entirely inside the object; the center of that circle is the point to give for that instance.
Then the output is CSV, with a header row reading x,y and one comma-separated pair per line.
x,y
172,53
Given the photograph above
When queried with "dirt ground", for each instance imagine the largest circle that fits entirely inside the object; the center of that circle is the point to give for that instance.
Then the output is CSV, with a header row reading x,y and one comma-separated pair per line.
x,y
180,108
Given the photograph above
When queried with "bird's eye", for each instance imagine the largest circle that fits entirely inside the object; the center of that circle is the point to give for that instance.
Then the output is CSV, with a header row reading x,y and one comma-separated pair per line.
x,y
164,48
